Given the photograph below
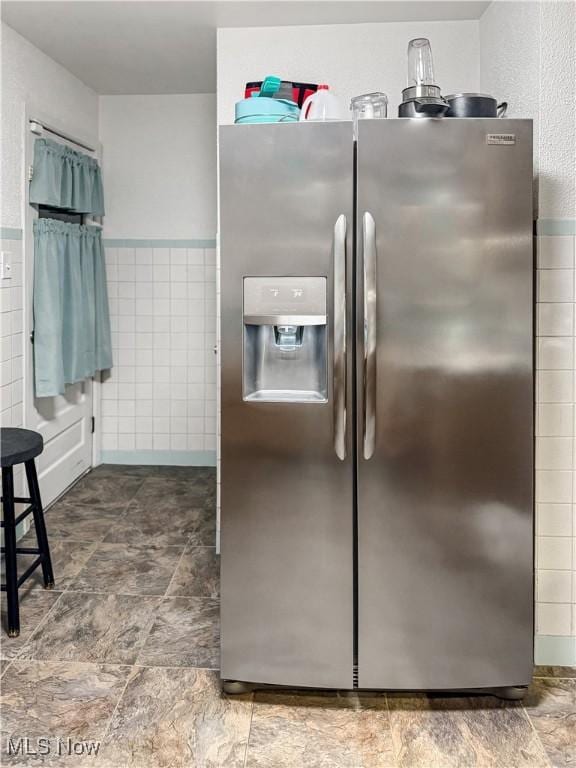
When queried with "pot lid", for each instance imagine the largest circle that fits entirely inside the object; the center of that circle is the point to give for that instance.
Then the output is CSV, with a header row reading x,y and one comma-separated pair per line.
x,y
475,95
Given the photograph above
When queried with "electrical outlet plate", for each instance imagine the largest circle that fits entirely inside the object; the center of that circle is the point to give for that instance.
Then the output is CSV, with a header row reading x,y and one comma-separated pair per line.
x,y
5,265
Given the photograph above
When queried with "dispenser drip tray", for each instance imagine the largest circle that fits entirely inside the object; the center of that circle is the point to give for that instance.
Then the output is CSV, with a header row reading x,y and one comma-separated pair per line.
x,y
285,396
286,366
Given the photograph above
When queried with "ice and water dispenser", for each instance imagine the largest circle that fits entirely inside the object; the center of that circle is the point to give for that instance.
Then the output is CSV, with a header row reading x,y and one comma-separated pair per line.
x,y
285,340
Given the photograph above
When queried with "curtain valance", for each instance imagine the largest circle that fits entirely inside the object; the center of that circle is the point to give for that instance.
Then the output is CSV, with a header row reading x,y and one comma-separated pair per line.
x,y
72,338
65,178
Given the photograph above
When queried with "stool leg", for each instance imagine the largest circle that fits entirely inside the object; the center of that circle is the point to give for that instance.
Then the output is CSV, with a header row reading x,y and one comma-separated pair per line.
x,y
10,552
39,523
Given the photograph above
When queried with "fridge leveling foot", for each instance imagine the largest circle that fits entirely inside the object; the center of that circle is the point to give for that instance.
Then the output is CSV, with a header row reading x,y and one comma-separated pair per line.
x,y
510,693
235,688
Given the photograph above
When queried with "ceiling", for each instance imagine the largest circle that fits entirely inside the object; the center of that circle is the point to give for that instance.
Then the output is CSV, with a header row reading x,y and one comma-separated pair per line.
x,y
169,46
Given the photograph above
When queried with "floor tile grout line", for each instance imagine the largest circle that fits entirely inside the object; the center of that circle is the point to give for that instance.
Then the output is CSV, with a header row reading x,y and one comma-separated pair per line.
x,y
555,677
175,571
253,703
150,627
136,594
115,664
93,505
65,539
169,666
40,624
109,723
6,668
119,517
537,735
127,545
75,576
177,666
95,544
395,750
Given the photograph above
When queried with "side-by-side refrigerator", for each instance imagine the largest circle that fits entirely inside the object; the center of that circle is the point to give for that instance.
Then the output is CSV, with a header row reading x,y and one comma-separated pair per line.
x,y
377,404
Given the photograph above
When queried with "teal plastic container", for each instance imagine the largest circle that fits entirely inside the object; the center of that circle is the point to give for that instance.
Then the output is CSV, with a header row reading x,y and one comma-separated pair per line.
x,y
261,109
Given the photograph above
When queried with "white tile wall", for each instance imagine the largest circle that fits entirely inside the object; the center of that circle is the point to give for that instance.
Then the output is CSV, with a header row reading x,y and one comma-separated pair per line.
x,y
12,346
555,438
161,395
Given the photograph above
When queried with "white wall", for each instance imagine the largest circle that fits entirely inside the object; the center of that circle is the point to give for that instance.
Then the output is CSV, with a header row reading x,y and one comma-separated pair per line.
x,y
30,77
159,165
528,58
352,58
159,405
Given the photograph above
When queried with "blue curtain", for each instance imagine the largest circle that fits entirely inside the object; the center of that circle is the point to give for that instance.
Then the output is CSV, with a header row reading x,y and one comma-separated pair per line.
x,y
72,339
64,178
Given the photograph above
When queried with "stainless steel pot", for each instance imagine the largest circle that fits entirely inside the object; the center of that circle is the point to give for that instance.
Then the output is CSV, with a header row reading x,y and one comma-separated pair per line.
x,y
474,105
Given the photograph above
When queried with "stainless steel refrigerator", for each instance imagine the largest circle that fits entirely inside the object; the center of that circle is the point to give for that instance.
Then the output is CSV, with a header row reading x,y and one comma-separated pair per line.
x,y
377,405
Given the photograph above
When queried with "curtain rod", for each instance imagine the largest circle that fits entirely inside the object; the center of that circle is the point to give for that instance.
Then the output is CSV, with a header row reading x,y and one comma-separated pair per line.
x,y
37,126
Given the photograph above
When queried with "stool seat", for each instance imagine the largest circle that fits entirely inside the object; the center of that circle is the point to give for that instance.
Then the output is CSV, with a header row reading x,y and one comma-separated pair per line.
x,y
19,445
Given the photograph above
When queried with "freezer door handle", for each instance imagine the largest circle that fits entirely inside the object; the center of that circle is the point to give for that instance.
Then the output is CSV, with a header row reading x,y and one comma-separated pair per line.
x,y
370,334
340,337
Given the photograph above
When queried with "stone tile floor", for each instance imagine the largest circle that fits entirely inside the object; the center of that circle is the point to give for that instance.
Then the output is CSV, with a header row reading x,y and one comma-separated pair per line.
x,y
124,652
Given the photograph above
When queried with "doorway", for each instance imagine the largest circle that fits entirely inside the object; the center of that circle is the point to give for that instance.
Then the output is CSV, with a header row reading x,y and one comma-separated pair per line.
x,y
66,422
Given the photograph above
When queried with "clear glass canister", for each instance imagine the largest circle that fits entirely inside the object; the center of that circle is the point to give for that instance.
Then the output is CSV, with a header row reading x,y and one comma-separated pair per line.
x,y
369,105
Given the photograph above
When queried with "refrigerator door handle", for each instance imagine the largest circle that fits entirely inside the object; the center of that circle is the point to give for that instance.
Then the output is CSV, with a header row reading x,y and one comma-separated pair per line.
x,y
340,337
370,334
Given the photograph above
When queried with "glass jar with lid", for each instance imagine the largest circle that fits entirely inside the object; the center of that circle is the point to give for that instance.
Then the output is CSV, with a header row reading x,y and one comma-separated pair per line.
x,y
368,106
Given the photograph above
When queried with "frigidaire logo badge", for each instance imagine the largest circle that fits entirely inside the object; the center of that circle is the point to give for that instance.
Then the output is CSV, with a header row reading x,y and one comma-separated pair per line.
x,y
51,745
500,138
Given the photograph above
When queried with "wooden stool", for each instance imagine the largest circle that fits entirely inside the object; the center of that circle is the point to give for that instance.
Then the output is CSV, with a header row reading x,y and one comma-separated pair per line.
x,y
21,446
